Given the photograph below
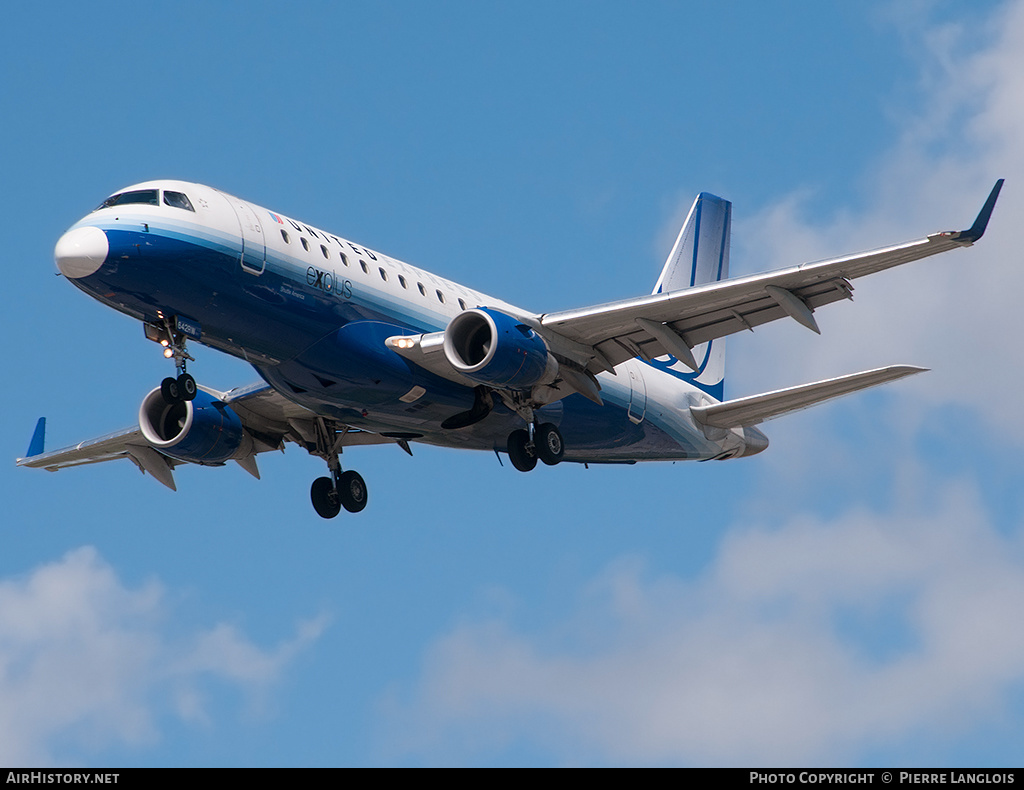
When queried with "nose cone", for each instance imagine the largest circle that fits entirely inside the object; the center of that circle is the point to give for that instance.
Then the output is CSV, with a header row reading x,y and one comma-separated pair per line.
x,y
81,251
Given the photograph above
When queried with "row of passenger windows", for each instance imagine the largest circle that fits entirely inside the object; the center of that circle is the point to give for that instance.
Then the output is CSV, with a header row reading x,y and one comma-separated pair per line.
x,y
366,269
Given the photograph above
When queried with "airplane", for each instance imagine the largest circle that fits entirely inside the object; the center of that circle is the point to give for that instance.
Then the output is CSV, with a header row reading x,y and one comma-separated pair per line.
x,y
355,347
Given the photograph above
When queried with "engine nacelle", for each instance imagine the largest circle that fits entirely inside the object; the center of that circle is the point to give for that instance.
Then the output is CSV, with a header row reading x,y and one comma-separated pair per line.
x,y
494,348
200,431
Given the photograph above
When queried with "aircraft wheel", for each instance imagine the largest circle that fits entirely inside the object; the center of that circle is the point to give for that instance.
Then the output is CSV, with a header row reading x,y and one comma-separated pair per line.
x,y
186,387
550,447
352,491
170,390
326,502
522,456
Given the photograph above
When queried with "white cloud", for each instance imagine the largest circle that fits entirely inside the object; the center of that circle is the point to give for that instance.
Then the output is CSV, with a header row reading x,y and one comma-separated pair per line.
x,y
85,663
957,313
769,658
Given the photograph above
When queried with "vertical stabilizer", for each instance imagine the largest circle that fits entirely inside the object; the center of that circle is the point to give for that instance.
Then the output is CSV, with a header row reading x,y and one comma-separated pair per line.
x,y
35,447
701,252
699,256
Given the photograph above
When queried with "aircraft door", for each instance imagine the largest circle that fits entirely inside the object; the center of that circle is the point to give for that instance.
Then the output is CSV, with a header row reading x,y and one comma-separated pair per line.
x,y
254,245
637,394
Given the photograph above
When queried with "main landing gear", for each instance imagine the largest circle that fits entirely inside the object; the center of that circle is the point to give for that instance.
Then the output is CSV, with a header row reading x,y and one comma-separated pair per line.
x,y
542,442
331,494
342,489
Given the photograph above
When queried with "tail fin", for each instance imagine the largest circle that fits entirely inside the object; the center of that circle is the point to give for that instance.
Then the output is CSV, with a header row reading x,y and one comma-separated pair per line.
x,y
701,252
35,447
701,255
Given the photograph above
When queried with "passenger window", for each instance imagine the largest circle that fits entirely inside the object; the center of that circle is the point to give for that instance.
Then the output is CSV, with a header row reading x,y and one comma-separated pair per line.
x,y
178,200
423,291
323,249
365,268
284,235
305,244
401,279
383,274
344,258
462,304
440,296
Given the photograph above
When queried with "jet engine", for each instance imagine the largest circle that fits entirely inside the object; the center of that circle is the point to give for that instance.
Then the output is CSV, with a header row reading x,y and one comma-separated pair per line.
x,y
494,348
200,431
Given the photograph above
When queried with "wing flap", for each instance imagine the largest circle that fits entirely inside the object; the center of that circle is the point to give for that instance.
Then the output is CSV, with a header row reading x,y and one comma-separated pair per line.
x,y
158,465
744,412
719,321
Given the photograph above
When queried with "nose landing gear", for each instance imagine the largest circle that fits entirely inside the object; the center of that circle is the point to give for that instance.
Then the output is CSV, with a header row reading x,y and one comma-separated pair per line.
x,y
182,388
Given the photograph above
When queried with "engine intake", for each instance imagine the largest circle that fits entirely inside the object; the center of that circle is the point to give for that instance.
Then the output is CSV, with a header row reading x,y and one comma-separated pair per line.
x,y
494,348
200,431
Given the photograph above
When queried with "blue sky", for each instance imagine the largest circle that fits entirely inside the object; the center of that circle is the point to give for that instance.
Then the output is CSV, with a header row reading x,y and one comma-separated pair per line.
x,y
849,597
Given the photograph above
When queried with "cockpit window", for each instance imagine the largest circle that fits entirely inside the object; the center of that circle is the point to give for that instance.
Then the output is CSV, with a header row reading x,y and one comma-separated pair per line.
x,y
178,200
148,196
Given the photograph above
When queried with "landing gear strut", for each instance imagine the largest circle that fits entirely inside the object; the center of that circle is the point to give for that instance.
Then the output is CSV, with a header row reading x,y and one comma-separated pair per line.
x,y
342,489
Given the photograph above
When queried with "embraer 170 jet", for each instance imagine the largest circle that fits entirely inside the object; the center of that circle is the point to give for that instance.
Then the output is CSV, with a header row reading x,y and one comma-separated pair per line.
x,y
355,347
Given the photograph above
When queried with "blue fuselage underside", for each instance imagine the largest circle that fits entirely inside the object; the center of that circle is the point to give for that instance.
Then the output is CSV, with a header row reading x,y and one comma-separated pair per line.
x,y
324,349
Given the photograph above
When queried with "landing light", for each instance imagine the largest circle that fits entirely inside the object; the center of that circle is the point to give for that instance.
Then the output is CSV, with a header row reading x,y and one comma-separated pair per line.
x,y
168,353
404,342
165,342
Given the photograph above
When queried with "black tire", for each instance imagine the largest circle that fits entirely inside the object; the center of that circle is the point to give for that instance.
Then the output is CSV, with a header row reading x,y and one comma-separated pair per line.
x,y
170,391
522,456
352,491
186,387
326,501
550,447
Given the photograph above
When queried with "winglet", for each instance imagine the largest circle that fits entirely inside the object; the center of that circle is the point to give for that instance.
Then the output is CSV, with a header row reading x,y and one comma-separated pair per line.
x,y
977,230
35,447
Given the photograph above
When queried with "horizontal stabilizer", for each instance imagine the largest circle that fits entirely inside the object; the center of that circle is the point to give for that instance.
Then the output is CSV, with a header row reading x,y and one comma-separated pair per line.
x,y
754,409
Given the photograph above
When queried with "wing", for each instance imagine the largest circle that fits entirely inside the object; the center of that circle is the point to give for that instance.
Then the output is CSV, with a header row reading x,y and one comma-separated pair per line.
x,y
269,418
127,443
673,323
